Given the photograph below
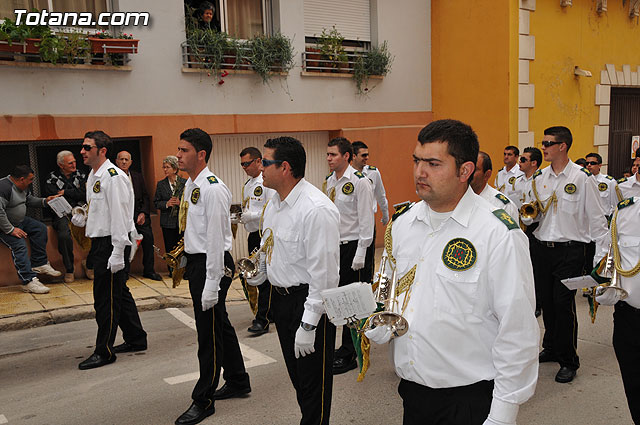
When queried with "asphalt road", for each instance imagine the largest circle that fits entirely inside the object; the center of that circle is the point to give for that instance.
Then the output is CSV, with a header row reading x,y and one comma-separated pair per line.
x,y
41,384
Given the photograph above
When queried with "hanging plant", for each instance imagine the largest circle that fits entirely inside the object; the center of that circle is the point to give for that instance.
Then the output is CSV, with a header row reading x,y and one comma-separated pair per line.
x,y
269,54
376,61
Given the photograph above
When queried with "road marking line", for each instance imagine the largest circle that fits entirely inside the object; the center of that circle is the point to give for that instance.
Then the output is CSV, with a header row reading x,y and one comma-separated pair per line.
x,y
253,358
3,419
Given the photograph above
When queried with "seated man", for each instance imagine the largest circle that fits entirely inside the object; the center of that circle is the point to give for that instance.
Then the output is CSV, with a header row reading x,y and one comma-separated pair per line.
x,y
16,227
66,181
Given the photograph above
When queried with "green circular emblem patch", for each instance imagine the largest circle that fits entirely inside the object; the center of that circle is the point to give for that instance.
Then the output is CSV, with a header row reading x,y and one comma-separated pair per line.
x,y
195,195
570,188
511,180
459,254
96,187
602,187
257,191
347,189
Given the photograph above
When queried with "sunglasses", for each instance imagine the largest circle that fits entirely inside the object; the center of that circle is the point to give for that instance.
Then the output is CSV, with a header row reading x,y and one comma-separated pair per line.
x,y
247,163
547,143
592,163
523,159
267,162
87,148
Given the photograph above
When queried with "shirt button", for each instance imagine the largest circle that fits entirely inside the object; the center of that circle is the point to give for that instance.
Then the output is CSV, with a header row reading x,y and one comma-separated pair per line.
x,y
411,310
456,274
411,362
410,337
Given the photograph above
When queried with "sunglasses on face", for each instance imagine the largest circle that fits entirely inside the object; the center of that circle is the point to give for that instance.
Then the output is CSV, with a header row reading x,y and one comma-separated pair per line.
x,y
523,159
547,143
87,148
267,162
247,163
592,163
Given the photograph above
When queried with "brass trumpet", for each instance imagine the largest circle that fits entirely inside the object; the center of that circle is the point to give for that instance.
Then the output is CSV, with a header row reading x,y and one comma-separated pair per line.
x,y
174,258
610,271
529,210
248,267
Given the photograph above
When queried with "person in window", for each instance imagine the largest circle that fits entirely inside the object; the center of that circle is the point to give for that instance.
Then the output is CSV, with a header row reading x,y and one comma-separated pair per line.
x,y
167,200
207,16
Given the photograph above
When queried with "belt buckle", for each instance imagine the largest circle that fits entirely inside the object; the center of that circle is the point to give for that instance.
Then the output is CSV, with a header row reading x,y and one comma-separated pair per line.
x,y
551,245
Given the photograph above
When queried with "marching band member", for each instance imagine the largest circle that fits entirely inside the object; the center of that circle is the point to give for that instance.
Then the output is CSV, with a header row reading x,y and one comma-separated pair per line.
x,y
480,185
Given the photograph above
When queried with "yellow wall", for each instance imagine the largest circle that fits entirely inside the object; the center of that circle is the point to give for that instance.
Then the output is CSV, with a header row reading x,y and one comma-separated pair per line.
x,y
564,38
474,76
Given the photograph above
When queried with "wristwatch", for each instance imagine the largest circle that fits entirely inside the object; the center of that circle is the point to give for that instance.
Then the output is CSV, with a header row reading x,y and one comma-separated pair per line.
x,y
307,327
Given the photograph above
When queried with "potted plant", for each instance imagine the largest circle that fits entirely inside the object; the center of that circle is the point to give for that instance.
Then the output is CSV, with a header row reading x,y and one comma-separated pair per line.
x,y
313,56
103,42
21,38
377,61
208,47
269,54
331,49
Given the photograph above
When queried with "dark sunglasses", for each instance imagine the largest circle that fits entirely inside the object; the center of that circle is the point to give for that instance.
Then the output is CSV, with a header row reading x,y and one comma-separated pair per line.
x,y
592,163
247,163
267,162
523,159
547,143
87,148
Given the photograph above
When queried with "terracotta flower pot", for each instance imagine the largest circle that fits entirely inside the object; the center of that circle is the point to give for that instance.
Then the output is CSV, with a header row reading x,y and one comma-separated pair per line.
x,y
229,59
15,47
313,56
113,45
32,45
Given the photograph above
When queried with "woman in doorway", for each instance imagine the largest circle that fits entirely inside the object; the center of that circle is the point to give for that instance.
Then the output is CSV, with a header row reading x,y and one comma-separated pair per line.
x,y
167,200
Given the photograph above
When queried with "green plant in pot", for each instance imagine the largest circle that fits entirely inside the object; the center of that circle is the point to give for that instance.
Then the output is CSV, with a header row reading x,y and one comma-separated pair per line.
x,y
331,48
268,54
376,61
209,47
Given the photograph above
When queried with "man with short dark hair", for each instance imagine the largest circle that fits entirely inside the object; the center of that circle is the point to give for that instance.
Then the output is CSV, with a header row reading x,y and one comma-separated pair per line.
x,y
480,185
570,217
469,354
630,186
511,170
16,227
606,184
205,219
530,162
352,193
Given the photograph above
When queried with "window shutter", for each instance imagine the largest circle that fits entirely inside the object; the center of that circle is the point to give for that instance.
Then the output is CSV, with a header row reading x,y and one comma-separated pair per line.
x,y
351,18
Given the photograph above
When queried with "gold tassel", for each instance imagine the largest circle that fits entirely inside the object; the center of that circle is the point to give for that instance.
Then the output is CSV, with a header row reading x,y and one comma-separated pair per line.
x,y
365,347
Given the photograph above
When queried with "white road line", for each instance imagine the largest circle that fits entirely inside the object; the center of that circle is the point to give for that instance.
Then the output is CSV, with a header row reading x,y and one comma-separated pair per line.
x,y
3,419
253,358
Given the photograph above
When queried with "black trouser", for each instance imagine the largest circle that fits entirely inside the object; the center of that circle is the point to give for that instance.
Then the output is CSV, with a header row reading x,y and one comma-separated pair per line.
x,y
113,302
467,405
171,238
558,302
217,341
311,375
263,314
369,259
589,254
65,241
147,247
626,328
347,276
532,252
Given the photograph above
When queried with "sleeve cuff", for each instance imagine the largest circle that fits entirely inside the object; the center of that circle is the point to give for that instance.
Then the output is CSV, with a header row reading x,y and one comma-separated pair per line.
x,y
503,412
311,317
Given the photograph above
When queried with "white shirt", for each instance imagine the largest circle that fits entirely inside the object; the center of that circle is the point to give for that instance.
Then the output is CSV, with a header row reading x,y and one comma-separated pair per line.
x,y
522,191
254,196
629,246
208,229
306,244
578,215
354,198
110,199
379,193
629,186
607,191
505,178
468,325
499,200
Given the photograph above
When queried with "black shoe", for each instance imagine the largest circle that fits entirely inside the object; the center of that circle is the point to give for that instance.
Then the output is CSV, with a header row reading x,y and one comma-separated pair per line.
x,y
342,365
125,347
546,356
257,328
227,391
152,276
565,375
194,415
96,360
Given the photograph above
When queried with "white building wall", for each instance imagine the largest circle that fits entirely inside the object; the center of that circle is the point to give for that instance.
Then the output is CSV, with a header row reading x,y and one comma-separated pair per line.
x,y
156,84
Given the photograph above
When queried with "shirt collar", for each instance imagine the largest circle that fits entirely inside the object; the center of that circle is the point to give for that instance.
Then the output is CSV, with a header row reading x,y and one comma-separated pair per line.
x,y
201,177
461,213
348,172
293,196
564,171
103,168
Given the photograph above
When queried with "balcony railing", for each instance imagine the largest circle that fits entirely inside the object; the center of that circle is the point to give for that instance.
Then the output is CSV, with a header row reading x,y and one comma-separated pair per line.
x,y
231,61
314,62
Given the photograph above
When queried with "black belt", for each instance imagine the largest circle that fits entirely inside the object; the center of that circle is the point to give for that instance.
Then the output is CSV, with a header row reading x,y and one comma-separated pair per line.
x,y
559,244
291,290
346,242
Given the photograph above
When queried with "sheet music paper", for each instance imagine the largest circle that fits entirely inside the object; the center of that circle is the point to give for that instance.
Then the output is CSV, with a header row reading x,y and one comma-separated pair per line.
x,y
353,300
60,206
579,282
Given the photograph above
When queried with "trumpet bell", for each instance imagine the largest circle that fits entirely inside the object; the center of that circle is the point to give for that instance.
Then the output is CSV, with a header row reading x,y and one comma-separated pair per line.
x,y
622,293
529,210
247,268
394,321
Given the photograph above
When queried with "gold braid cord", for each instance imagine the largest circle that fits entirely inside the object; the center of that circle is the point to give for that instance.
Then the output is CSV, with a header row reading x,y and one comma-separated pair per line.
x,y
553,199
245,202
619,194
365,347
182,214
616,251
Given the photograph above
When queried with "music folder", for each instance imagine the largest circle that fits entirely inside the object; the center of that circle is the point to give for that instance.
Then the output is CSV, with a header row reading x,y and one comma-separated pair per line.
x,y
60,206
349,302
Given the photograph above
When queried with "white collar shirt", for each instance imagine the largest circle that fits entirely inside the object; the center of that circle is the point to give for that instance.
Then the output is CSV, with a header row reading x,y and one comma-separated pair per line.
x,y
630,187
499,200
379,193
354,198
208,229
470,324
607,192
306,244
578,215
522,191
254,196
629,246
504,178
110,199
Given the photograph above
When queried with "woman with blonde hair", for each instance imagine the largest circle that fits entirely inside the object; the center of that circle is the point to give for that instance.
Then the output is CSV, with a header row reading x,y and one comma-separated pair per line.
x,y
167,200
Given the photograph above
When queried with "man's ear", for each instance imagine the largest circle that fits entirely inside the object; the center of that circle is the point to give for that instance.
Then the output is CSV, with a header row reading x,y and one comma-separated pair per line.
x,y
466,170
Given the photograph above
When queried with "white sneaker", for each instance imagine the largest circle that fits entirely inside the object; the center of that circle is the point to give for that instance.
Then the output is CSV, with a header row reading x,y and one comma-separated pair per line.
x,y
46,269
35,287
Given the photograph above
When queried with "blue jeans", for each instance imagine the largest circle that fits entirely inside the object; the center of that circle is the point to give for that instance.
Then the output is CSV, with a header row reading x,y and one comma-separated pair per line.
x,y
37,234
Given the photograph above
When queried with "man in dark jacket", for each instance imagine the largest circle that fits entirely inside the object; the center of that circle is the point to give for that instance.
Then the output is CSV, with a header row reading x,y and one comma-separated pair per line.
x,y
141,214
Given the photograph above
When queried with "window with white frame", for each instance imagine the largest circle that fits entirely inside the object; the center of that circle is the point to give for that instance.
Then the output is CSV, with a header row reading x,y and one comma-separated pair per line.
x,y
242,19
94,7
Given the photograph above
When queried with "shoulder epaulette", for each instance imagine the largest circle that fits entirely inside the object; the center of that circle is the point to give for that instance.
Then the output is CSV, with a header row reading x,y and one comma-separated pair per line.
x,y
587,172
371,167
212,179
622,180
112,172
401,211
328,175
359,174
505,218
608,177
503,198
625,203
537,173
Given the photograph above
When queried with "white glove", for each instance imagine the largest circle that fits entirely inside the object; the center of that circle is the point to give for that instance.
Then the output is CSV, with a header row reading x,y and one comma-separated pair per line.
x,y
608,297
380,334
358,259
385,217
261,276
304,342
116,261
79,220
490,421
209,295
